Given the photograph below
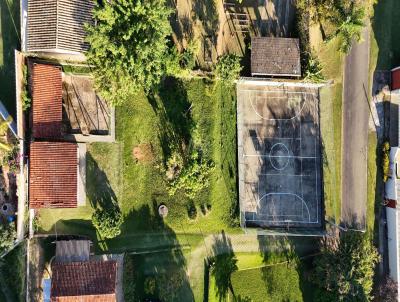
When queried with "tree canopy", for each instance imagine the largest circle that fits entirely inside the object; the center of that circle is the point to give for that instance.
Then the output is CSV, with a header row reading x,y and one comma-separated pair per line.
x,y
108,222
345,270
128,44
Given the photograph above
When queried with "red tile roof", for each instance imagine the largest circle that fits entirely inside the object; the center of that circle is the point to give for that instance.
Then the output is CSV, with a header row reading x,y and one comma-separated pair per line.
x,y
84,281
46,88
53,175
396,78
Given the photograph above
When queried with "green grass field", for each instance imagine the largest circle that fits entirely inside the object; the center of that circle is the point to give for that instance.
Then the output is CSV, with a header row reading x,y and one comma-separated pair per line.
x,y
331,128
9,40
264,280
385,42
180,109
13,271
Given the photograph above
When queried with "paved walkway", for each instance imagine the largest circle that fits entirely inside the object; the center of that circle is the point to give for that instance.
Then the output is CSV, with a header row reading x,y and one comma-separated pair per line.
x,y
355,135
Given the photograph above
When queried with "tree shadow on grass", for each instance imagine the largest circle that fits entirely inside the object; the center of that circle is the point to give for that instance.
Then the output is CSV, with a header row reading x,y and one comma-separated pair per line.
x,y
174,110
156,266
291,258
98,187
223,265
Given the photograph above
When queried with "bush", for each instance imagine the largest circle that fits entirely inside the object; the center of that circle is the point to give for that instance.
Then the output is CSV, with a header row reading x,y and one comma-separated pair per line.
x,y
25,99
385,161
7,236
228,68
150,286
313,71
194,177
345,269
191,209
107,222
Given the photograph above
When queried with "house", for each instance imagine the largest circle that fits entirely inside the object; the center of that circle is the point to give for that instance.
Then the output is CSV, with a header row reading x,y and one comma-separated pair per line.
x,y
392,200
275,57
392,186
55,178
78,276
58,26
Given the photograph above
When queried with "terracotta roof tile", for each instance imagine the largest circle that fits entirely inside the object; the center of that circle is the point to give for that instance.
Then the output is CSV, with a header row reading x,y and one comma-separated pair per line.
x,y
46,88
53,175
275,56
84,281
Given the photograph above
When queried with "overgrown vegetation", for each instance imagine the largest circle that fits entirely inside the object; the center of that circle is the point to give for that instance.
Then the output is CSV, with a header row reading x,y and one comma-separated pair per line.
x,y
385,160
7,236
340,19
128,47
25,99
108,222
345,270
228,68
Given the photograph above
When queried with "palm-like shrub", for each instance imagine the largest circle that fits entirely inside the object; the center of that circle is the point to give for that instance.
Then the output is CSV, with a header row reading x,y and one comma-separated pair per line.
x,y
349,20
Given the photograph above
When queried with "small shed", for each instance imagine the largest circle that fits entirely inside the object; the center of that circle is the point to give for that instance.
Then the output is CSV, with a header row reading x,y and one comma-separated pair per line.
x,y
58,26
276,57
72,250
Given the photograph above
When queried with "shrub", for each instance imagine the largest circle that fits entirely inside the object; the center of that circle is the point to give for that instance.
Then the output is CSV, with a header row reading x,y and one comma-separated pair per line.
x,y
191,209
313,71
107,222
345,269
7,236
228,68
385,161
25,99
194,177
150,286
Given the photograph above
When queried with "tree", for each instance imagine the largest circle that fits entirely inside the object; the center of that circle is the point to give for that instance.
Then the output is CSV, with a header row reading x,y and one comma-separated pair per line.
x,y
228,68
193,177
128,46
345,269
7,235
108,222
387,290
349,19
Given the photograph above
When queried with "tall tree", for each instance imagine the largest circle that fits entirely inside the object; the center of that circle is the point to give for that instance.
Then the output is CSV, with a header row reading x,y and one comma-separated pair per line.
x,y
128,44
345,269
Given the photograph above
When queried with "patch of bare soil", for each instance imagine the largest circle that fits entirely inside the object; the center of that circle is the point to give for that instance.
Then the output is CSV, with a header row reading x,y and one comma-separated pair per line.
x,y
144,153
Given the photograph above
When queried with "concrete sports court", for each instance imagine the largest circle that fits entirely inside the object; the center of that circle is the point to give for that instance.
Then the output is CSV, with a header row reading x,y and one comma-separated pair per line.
x,y
279,154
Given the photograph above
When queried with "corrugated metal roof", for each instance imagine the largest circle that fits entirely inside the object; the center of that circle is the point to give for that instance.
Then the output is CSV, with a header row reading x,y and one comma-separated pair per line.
x,y
84,281
396,79
72,250
58,24
53,175
46,88
275,56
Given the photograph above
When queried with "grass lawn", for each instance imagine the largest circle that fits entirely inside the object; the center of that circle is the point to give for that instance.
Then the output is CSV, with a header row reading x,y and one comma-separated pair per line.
x,y
375,183
331,128
269,280
13,272
385,41
190,110
9,40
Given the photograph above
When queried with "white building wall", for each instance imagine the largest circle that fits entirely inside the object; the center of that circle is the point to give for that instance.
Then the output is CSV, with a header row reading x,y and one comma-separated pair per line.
x,y
392,216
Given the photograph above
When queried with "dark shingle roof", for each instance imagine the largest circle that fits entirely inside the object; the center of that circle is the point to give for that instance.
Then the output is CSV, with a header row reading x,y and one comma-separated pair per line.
x,y
53,175
84,281
275,57
46,87
58,25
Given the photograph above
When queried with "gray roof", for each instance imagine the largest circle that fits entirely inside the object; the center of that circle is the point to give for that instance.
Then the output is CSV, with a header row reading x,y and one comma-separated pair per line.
x,y
275,57
72,250
58,25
